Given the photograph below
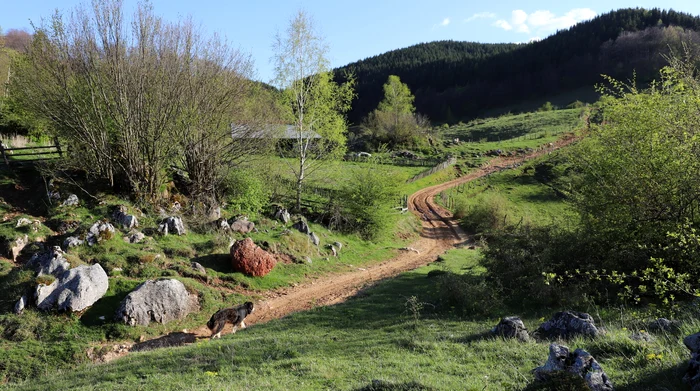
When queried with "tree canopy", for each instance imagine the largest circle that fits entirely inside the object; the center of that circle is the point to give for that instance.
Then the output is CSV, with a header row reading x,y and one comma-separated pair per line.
x,y
315,104
134,98
459,80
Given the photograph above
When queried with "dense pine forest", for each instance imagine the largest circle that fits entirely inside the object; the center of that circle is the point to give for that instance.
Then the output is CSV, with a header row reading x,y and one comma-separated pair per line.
x,y
454,81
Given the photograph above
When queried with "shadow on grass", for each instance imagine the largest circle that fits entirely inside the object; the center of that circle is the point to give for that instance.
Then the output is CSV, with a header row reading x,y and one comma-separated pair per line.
x,y
670,378
476,337
107,306
663,379
544,196
218,262
379,385
385,304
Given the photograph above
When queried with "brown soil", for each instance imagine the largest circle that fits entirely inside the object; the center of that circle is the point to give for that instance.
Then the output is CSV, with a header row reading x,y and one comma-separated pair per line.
x,y
440,233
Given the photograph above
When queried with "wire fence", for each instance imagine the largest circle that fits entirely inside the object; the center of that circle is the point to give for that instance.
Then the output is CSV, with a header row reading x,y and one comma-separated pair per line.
x,y
447,163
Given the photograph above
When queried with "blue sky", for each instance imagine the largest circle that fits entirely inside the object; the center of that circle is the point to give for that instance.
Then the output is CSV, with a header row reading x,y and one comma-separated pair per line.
x,y
362,28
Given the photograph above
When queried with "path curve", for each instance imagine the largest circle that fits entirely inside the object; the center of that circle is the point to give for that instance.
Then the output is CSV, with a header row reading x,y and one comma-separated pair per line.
x,y
440,232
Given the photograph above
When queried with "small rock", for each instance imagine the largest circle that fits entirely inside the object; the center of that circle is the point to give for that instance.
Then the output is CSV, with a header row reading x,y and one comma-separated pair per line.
x,y
302,227
692,342
242,226
49,262
21,303
23,221
72,241
214,213
135,237
338,246
198,267
511,327
172,225
282,215
334,251
314,239
16,246
121,217
642,337
410,249
308,260
692,374
99,231
579,362
72,200
664,325
568,324
67,226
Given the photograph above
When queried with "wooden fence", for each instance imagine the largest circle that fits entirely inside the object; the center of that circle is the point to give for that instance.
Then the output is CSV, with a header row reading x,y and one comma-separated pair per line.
x,y
30,155
394,161
447,163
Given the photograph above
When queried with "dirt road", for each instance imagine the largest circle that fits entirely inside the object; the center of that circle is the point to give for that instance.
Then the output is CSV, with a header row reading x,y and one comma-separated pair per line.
x,y
441,232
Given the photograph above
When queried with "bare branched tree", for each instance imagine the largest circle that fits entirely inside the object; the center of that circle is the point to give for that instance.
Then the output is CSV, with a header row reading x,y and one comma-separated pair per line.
x,y
133,98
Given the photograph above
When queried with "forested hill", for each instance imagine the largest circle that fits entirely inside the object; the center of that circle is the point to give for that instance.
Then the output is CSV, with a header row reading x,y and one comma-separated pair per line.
x,y
458,80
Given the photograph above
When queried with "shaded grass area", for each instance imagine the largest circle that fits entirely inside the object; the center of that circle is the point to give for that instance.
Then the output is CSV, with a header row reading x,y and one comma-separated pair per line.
x,y
517,127
520,196
397,334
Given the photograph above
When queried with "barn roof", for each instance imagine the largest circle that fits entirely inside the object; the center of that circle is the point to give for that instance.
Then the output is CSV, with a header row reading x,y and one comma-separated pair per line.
x,y
270,131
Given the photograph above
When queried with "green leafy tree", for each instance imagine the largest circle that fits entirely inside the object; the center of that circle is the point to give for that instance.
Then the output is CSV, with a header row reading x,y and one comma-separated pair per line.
x,y
639,170
398,99
394,121
314,103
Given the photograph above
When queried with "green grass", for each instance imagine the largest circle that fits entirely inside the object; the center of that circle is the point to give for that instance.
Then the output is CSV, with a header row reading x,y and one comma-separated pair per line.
x,y
517,127
34,343
379,335
510,197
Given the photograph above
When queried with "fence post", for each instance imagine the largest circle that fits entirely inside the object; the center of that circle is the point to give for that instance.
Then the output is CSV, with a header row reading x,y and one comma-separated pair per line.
x,y
4,156
58,147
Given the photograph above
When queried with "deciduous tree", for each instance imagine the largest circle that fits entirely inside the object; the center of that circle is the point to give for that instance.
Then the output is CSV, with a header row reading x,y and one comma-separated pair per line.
x,y
394,121
133,96
314,103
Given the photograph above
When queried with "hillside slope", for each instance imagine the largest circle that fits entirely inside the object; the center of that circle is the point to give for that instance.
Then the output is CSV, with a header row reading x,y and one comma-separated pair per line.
x,y
459,80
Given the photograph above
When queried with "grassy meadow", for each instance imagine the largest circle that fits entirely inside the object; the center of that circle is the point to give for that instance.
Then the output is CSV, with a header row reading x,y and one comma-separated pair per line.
x,y
427,329
400,332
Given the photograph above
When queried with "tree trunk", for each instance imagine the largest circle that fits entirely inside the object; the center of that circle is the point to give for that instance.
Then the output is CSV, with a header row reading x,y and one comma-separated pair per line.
x,y
300,181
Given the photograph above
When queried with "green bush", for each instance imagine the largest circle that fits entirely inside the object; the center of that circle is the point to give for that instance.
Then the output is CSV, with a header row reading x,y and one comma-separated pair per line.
x,y
245,192
469,294
482,215
518,259
366,201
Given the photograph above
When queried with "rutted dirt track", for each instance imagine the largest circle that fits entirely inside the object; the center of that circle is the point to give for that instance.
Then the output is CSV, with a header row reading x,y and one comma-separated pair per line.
x,y
440,233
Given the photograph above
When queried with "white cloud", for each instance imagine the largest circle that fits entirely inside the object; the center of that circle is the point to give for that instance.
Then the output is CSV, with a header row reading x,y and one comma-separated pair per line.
x,y
445,22
544,22
503,24
480,15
